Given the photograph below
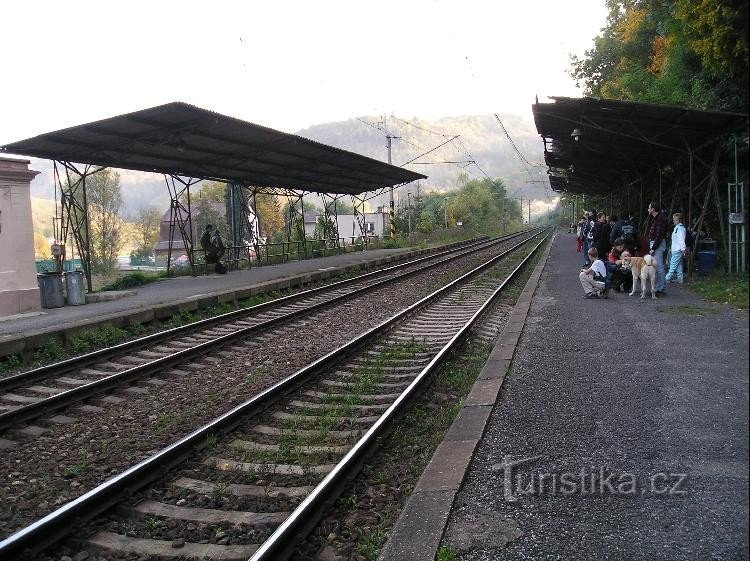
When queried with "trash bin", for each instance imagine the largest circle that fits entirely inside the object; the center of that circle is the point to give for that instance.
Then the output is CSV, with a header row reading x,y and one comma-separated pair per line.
x,y
74,288
705,256
51,290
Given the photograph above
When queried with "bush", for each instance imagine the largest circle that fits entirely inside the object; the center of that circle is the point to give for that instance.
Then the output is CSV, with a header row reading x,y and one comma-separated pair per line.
x,y
129,281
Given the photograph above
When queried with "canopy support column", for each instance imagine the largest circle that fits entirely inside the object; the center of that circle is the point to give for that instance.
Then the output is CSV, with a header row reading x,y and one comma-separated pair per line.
x,y
180,216
74,215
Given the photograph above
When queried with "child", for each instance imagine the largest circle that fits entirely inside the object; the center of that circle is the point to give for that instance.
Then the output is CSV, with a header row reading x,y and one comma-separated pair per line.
x,y
592,278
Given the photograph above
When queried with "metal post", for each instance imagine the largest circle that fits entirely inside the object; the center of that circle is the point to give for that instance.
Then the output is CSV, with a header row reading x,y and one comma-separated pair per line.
x,y
408,211
446,213
392,209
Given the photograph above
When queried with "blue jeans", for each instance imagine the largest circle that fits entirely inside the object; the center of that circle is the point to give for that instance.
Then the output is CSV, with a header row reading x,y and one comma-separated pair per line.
x,y
660,269
675,266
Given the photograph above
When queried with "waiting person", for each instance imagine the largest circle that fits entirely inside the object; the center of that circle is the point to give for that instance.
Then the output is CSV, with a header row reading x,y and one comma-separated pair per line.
x,y
579,235
677,250
593,278
601,235
626,229
621,278
588,233
657,245
217,252
206,240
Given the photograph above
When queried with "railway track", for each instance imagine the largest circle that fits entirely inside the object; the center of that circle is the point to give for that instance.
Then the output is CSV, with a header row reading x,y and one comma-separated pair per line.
x,y
42,391
253,479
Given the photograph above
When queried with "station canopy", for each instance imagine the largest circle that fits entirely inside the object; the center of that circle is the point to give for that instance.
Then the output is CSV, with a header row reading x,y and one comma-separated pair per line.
x,y
593,145
184,140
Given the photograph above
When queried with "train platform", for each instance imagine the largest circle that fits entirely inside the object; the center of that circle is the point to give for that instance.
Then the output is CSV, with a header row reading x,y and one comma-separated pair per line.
x,y
164,298
598,429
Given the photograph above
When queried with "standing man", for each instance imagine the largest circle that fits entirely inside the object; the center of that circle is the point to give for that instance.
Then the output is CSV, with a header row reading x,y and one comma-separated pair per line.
x,y
657,245
677,249
206,243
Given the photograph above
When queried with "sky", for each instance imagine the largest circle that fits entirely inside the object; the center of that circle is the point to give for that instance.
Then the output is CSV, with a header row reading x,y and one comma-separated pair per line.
x,y
285,64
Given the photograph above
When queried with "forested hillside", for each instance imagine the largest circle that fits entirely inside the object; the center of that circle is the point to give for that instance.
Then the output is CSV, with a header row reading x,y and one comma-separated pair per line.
x,y
481,139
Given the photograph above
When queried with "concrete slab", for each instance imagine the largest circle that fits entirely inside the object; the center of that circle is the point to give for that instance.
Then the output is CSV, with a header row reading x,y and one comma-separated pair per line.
x,y
469,423
422,520
448,465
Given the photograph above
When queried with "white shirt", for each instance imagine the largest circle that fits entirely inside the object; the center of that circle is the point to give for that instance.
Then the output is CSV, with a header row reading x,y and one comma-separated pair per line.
x,y
599,268
678,239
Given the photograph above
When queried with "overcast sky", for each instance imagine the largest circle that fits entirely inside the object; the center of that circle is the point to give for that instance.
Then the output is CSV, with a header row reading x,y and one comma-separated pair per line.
x,y
285,64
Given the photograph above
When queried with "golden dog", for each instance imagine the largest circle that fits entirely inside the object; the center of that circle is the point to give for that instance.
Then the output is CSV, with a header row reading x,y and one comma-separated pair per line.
x,y
643,269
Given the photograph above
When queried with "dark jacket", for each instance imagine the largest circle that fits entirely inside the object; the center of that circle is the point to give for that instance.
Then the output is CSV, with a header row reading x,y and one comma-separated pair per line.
x,y
658,230
601,238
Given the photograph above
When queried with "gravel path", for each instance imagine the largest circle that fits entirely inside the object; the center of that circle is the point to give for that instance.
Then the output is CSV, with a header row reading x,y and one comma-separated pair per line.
x,y
638,389
71,459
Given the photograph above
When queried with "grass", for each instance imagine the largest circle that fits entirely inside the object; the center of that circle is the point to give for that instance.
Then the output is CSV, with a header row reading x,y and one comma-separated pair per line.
x,y
724,288
412,442
445,554
687,309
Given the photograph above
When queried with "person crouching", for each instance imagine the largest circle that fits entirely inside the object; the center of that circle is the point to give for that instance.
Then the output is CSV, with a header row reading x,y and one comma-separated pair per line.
x,y
592,278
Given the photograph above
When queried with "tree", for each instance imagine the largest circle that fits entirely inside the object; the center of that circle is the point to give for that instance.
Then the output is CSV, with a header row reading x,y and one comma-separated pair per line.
x,y
270,218
105,225
145,235
684,52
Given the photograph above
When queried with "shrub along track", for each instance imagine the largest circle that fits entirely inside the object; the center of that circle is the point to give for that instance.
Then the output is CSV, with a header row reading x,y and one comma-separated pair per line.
x,y
26,395
103,439
266,465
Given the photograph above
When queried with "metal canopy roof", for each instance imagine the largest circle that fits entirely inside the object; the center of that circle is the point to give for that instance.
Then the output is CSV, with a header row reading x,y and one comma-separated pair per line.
x,y
618,140
181,139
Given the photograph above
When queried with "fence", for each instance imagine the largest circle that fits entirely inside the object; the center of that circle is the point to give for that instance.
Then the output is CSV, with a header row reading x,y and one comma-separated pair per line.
x,y
49,265
245,256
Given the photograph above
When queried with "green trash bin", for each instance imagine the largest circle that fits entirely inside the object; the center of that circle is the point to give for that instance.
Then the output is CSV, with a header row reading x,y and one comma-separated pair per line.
x,y
74,288
51,290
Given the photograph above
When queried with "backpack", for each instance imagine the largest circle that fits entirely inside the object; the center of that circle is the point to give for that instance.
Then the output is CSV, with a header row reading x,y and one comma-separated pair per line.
x,y
628,233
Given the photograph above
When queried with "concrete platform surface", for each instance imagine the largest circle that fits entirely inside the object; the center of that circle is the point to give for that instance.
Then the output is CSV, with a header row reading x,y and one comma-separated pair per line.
x,y
166,297
621,432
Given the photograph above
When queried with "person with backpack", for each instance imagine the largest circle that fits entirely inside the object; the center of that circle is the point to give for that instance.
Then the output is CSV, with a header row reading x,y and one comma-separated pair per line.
x,y
677,249
626,230
217,252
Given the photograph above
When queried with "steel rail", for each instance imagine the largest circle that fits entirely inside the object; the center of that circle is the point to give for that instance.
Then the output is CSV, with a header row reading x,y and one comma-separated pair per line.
x,y
65,366
34,538
281,544
63,399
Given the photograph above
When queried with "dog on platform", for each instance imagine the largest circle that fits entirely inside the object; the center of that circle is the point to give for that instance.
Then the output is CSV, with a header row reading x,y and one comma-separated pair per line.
x,y
643,269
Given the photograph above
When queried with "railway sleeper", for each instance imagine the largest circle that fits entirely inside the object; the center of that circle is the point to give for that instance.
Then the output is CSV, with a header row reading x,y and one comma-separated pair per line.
x,y
306,449
271,468
336,398
240,490
111,543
